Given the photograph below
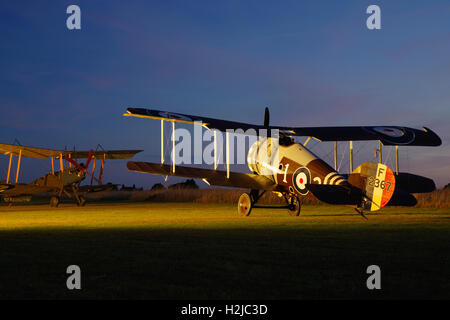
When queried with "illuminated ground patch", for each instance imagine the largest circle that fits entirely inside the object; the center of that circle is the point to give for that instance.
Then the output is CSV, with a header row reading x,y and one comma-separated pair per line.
x,y
184,251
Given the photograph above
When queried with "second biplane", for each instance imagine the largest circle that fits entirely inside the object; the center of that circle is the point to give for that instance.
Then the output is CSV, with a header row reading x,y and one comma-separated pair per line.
x,y
66,181
293,171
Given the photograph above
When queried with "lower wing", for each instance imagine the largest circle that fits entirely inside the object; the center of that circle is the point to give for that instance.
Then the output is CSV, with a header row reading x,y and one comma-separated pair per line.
x,y
212,177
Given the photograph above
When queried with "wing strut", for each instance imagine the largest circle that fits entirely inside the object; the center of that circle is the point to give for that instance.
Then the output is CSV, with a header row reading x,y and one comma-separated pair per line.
x,y
396,159
9,168
61,165
351,156
18,165
53,167
228,154
380,152
173,146
100,177
215,149
162,141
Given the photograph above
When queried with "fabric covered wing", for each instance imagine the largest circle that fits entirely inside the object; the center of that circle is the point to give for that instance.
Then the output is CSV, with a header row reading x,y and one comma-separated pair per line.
x,y
39,153
389,135
214,177
22,189
42,153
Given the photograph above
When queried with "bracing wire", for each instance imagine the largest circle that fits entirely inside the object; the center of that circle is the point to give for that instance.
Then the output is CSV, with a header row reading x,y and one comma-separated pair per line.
x,y
342,159
388,159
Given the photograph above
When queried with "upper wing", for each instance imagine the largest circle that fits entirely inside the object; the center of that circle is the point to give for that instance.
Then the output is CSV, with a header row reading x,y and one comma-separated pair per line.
x,y
41,153
30,152
213,177
389,135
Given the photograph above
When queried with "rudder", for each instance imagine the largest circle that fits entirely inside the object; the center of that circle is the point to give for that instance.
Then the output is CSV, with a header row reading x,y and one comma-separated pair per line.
x,y
378,183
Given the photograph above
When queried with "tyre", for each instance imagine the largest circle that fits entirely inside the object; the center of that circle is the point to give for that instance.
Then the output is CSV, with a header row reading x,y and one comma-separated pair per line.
x,y
294,207
54,202
82,202
244,204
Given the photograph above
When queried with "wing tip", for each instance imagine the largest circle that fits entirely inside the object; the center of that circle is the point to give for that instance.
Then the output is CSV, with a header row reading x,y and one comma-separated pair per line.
x,y
131,111
437,141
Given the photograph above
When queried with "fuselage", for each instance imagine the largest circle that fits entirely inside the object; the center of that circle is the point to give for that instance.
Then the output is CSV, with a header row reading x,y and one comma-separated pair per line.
x,y
292,166
49,182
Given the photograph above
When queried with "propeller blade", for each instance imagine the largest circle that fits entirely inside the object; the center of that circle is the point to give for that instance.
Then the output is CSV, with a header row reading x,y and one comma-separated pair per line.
x,y
266,117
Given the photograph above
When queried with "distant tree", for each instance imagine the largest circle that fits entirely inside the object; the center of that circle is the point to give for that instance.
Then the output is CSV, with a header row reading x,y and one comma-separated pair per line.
x,y
158,186
133,188
188,184
447,186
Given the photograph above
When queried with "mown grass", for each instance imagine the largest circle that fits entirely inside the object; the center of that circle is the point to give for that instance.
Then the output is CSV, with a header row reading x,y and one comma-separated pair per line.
x,y
207,251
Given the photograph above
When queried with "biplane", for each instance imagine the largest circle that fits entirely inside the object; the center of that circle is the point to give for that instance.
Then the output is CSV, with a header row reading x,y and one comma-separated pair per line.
x,y
66,181
296,172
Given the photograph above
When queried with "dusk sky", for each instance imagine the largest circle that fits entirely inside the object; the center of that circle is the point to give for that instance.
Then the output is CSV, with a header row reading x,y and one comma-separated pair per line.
x,y
314,63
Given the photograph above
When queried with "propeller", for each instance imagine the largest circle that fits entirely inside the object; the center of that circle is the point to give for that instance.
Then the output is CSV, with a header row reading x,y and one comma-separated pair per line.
x,y
266,117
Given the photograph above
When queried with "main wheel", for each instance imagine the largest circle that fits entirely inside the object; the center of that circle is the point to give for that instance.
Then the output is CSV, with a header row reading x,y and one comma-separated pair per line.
x,y
54,202
294,206
244,204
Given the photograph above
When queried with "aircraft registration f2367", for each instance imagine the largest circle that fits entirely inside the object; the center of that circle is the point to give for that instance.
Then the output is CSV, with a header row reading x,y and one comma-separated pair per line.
x,y
296,171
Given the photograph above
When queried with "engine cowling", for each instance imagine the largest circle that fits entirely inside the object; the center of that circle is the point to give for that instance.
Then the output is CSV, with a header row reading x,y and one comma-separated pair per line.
x,y
262,157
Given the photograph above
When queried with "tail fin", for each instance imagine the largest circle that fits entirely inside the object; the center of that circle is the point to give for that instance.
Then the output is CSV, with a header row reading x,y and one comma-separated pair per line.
x,y
377,182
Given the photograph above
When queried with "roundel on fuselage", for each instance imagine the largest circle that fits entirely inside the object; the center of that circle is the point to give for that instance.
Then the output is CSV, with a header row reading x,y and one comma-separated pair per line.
x,y
300,179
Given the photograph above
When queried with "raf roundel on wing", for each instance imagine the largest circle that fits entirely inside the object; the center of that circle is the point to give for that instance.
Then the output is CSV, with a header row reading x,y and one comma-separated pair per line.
x,y
175,116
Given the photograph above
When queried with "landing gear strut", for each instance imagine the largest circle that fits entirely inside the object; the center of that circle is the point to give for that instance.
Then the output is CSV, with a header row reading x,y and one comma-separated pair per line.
x,y
247,201
54,201
80,200
294,206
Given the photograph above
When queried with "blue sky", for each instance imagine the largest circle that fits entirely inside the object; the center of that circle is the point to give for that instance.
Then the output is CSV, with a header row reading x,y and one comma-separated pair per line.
x,y
312,62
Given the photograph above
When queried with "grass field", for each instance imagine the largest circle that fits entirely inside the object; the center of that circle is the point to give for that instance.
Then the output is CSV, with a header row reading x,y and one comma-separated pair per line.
x,y
201,251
